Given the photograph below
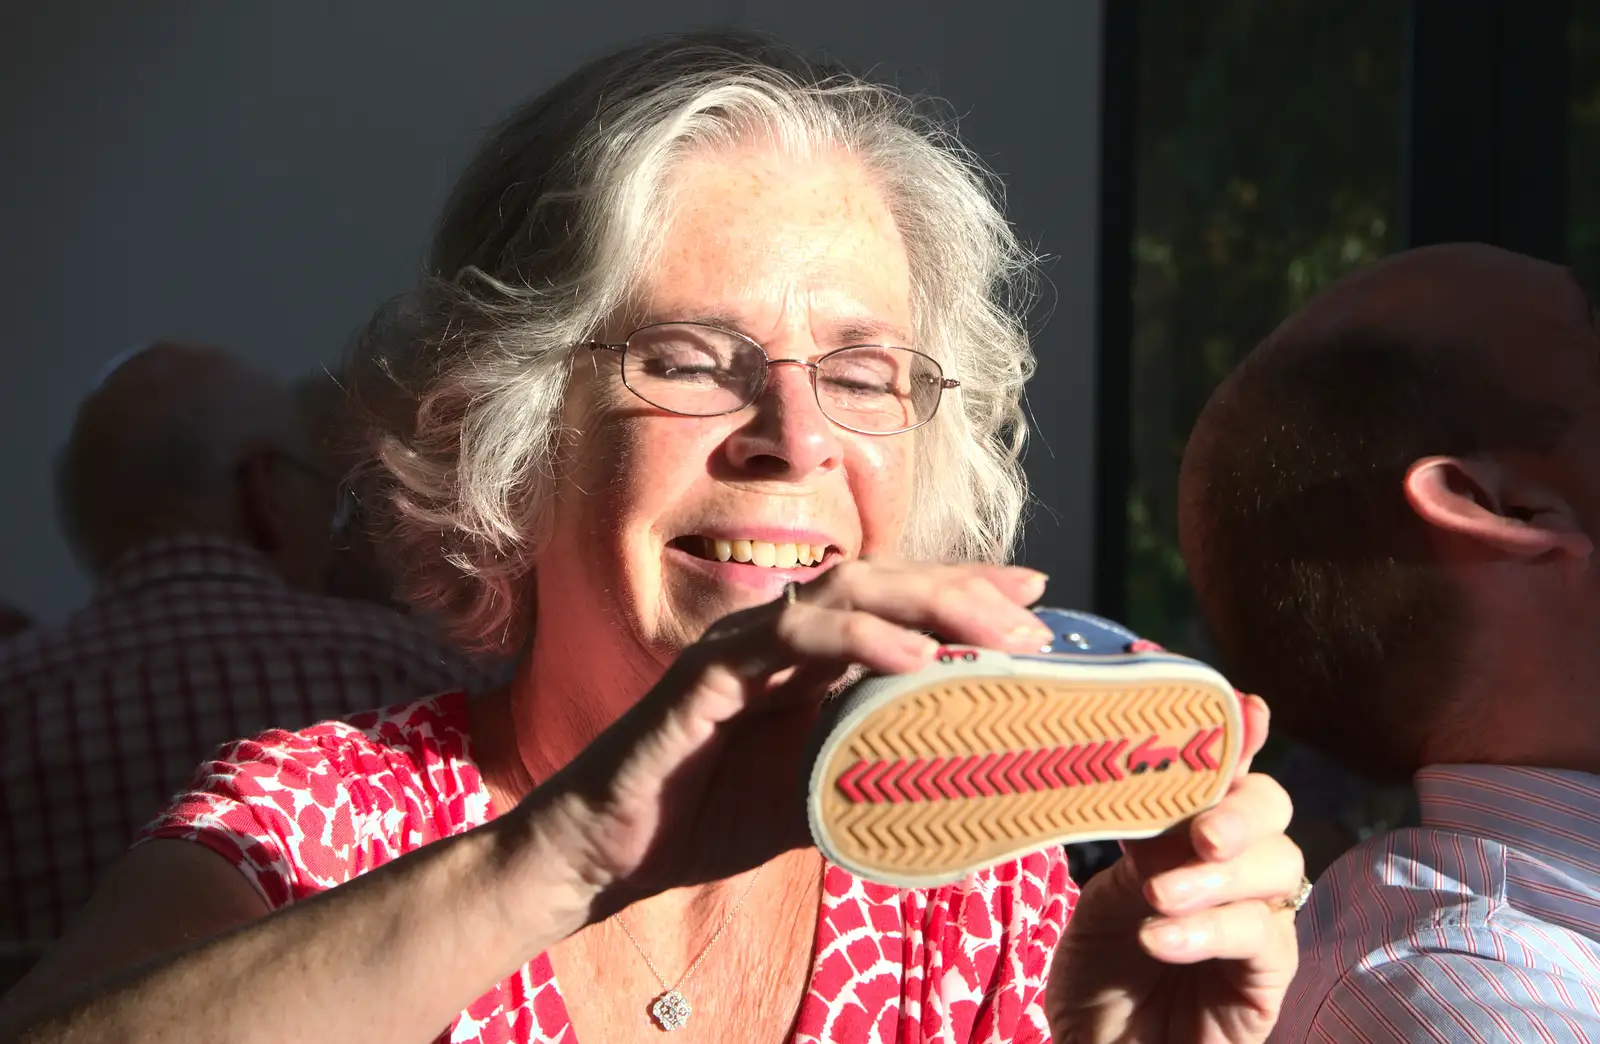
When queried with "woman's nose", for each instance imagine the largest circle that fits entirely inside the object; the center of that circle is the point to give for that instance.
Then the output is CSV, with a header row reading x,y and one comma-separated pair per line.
x,y
787,432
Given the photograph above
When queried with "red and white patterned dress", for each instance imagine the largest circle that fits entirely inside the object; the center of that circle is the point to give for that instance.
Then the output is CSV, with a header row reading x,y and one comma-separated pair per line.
x,y
301,812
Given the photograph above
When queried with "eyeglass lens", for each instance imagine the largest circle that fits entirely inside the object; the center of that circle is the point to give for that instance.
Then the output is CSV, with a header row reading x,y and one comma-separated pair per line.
x,y
703,371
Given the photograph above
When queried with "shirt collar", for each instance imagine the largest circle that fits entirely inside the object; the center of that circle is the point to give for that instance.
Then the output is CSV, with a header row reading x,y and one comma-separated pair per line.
x,y
1552,815
186,557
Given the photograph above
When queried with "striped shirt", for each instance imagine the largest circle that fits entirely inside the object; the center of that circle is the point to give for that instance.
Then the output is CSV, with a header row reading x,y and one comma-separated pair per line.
x,y
187,643
1483,924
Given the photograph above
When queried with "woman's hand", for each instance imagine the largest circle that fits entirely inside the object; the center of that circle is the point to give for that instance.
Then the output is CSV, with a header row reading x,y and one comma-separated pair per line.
x,y
701,779
1188,937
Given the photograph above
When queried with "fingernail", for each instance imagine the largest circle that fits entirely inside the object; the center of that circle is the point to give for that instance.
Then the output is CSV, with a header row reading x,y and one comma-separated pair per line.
x,y
1168,938
920,646
1031,635
1034,589
1179,890
1176,890
1219,830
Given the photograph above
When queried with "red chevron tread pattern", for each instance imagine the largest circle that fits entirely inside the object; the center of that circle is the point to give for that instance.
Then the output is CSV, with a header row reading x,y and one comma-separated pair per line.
x,y
964,771
1010,772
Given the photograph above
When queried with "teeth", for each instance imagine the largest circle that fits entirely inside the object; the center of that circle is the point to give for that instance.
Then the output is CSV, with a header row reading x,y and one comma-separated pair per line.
x,y
763,553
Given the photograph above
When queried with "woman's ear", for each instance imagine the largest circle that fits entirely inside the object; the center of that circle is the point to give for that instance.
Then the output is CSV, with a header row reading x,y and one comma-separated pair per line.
x,y
1482,501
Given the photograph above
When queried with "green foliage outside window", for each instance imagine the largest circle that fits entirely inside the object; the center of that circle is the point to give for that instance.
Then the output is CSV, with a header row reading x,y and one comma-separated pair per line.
x,y
1268,165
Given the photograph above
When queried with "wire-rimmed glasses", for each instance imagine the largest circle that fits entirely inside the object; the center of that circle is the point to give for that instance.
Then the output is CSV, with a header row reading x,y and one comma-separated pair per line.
x,y
705,371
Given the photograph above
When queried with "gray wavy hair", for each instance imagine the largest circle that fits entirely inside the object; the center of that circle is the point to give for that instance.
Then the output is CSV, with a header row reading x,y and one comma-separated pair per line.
x,y
549,234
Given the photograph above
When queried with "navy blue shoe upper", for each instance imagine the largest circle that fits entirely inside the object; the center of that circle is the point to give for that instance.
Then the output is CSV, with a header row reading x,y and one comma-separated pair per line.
x,y
1079,632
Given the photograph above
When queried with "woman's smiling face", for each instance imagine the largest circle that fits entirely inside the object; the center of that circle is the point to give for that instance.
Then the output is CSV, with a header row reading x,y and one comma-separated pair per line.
x,y
802,256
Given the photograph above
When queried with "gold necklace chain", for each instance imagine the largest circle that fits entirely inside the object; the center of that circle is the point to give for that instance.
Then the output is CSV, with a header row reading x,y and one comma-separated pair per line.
x,y
669,1008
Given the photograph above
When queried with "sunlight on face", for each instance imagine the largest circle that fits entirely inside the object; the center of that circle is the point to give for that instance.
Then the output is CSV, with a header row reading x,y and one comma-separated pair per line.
x,y
667,523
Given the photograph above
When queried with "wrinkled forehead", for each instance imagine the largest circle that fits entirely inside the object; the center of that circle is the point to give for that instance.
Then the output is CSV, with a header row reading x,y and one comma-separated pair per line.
x,y
737,216
754,237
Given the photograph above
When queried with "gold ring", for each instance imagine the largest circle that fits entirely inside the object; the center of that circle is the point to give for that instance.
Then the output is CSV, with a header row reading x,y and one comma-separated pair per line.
x,y
1299,898
791,593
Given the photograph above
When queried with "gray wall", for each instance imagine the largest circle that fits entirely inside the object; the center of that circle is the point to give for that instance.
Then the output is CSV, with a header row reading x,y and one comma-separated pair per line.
x,y
263,175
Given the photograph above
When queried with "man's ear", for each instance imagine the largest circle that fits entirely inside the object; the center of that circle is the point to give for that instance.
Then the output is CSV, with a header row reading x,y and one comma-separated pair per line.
x,y
259,502
1482,501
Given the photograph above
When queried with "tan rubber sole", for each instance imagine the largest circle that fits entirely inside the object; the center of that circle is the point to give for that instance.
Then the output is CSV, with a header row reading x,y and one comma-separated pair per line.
x,y
964,772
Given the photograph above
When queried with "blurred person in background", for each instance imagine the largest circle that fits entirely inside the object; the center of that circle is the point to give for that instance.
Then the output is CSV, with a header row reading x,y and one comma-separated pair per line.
x,y
1389,511
13,621
186,490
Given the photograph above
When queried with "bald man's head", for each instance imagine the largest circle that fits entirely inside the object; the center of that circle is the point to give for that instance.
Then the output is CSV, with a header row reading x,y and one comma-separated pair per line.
x,y
163,446
1320,583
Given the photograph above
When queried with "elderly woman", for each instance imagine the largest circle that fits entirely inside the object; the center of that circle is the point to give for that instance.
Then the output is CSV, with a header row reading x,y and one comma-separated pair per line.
x,y
624,820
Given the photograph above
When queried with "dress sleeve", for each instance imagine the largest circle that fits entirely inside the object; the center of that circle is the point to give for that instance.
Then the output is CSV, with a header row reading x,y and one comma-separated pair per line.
x,y
1040,898
276,807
